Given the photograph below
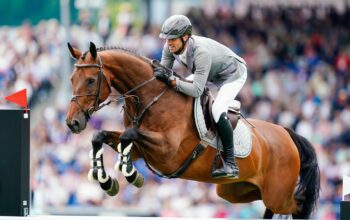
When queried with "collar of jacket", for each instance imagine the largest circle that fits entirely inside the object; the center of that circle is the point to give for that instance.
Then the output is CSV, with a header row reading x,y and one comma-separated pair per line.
x,y
189,55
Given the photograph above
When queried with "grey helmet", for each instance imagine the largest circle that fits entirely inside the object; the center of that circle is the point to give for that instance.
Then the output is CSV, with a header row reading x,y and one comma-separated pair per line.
x,y
176,26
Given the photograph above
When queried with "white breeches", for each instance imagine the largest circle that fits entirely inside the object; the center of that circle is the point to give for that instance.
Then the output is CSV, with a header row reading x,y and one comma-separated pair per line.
x,y
227,93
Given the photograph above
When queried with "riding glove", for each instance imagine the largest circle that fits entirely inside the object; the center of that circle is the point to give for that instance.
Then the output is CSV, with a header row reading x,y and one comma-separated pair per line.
x,y
163,75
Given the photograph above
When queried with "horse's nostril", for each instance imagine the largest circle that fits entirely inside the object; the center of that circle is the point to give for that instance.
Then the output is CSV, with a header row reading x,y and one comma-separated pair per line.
x,y
75,123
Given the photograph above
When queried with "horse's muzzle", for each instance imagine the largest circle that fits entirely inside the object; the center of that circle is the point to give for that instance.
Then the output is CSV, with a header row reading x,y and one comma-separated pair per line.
x,y
74,126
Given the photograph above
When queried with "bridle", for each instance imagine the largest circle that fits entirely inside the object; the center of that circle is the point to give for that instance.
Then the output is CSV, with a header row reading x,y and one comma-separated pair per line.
x,y
135,120
97,94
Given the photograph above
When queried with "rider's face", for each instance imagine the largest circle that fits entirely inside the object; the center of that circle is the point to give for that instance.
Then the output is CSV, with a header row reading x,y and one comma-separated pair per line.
x,y
174,44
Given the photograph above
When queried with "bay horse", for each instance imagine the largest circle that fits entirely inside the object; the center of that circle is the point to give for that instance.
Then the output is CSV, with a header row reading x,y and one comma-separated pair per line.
x,y
281,170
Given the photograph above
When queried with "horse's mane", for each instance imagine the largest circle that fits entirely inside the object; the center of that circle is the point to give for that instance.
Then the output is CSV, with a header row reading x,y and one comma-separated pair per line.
x,y
125,49
130,51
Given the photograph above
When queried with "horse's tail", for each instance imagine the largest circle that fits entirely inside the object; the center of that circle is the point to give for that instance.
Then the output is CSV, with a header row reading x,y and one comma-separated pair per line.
x,y
309,177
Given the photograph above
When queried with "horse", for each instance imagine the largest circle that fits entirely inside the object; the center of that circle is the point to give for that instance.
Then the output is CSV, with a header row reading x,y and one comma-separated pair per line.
x,y
281,170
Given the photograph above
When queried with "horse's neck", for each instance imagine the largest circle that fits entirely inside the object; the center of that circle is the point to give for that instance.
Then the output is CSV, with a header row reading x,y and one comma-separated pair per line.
x,y
129,74
127,71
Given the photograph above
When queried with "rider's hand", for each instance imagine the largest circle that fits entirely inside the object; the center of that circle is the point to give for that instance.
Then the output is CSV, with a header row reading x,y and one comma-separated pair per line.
x,y
163,75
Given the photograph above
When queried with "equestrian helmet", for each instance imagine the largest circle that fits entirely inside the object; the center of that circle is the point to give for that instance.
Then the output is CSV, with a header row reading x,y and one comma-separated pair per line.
x,y
176,26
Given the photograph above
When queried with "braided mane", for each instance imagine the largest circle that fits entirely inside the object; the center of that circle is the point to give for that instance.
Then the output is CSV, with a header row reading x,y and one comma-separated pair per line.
x,y
130,51
133,52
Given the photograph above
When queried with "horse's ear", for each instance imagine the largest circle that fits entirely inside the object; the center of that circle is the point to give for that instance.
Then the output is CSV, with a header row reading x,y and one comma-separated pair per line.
x,y
75,53
93,50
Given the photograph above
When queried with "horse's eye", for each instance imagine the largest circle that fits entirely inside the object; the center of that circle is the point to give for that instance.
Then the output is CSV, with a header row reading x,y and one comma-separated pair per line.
x,y
90,81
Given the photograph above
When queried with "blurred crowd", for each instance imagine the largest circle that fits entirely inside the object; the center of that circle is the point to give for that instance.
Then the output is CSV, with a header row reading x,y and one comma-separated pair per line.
x,y
30,58
299,76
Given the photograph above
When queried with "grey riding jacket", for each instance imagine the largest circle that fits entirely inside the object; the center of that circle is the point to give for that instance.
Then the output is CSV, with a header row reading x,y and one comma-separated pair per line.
x,y
208,60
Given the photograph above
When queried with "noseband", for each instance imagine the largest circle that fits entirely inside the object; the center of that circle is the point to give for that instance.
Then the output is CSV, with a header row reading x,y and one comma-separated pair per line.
x,y
97,94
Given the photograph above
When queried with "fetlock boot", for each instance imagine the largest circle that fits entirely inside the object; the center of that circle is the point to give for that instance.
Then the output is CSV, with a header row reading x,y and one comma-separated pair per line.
x,y
229,167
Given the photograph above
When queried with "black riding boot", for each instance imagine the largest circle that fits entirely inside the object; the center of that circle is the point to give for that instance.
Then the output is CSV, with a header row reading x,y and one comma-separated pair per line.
x,y
229,168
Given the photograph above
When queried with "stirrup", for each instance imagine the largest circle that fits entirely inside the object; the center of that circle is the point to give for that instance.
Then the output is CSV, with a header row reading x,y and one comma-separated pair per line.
x,y
217,172
224,174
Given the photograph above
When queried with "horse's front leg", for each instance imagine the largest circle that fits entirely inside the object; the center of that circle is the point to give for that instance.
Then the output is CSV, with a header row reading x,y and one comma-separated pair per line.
x,y
124,164
97,171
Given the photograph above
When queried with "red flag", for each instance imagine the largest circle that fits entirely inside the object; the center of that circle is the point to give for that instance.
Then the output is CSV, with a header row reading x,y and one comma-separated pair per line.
x,y
20,98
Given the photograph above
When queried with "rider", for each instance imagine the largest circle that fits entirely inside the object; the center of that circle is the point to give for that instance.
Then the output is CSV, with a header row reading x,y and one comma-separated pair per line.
x,y
207,60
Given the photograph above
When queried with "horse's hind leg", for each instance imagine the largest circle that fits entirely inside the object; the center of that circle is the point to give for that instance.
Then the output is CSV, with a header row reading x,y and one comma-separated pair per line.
x,y
268,214
278,196
240,192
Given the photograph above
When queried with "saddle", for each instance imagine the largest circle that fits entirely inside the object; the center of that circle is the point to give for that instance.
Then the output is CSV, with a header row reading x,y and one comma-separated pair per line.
x,y
207,130
207,101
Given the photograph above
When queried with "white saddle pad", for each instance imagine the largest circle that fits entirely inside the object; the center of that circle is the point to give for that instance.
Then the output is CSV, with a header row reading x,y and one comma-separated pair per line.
x,y
241,135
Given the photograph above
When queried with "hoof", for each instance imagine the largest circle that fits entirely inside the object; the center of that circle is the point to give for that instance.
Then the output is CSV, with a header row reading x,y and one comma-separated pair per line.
x,y
138,181
114,189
